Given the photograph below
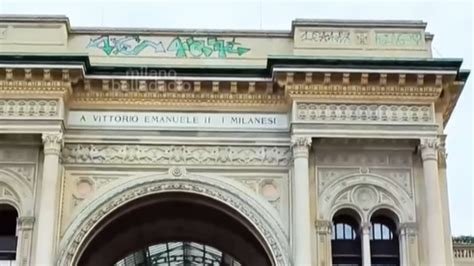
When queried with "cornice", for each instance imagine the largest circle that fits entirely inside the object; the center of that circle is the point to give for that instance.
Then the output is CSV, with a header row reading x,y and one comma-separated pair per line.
x,y
274,94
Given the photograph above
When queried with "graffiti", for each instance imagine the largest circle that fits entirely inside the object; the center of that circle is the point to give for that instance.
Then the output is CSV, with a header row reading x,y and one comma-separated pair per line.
x,y
179,46
326,37
199,48
129,45
398,38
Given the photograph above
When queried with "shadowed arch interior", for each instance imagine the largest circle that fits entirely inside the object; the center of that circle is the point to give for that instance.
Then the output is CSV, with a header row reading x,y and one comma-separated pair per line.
x,y
169,217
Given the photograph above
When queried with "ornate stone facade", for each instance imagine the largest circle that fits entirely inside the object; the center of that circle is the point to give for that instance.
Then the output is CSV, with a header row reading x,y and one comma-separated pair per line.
x,y
282,144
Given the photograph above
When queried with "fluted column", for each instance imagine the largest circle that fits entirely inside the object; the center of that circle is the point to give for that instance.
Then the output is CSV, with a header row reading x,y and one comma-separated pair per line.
x,y
365,238
48,204
434,213
300,207
25,236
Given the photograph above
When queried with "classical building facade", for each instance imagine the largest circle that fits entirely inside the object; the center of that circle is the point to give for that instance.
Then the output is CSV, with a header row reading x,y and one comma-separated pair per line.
x,y
322,145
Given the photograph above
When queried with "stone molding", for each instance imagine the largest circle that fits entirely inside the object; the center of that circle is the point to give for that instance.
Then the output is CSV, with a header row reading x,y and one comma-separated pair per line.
x,y
364,113
176,155
230,193
29,108
53,143
323,227
410,229
26,222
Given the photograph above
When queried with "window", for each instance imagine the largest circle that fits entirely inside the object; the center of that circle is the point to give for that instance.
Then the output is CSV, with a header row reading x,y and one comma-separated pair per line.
x,y
342,231
8,238
384,247
346,243
381,232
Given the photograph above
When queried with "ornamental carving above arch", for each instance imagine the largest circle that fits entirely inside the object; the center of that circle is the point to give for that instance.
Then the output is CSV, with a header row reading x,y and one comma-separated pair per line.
x,y
366,193
233,194
15,191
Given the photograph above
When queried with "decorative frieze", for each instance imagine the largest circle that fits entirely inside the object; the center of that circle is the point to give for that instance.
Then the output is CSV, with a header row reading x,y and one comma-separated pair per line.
x,y
25,108
176,154
356,91
364,113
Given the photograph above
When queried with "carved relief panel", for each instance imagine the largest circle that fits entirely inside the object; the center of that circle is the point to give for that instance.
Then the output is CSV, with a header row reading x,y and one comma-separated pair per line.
x,y
366,176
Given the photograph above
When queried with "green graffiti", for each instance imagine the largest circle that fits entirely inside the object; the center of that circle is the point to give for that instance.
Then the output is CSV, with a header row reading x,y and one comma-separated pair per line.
x,y
205,48
181,47
128,45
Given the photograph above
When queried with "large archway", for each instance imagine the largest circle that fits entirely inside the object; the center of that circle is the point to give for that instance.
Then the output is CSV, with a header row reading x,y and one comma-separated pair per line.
x,y
173,217
153,210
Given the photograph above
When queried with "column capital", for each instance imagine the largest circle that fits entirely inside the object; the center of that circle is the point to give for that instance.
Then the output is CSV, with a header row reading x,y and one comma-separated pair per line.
x,y
429,148
323,227
25,222
409,229
52,143
300,146
365,228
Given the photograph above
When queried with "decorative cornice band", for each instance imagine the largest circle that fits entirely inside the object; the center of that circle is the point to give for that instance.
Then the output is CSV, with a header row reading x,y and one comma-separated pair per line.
x,y
176,155
28,108
364,91
364,113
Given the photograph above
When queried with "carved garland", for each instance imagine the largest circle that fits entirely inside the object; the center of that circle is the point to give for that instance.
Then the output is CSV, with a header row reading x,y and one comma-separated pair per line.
x,y
263,221
177,154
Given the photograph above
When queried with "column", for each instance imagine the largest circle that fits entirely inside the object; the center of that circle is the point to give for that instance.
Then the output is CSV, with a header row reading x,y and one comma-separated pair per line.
x,y
365,238
48,205
323,242
25,236
300,207
434,213
407,242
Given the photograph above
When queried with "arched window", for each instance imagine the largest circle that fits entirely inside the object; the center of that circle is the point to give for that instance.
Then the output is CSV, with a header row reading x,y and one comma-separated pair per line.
x,y
384,246
8,238
346,243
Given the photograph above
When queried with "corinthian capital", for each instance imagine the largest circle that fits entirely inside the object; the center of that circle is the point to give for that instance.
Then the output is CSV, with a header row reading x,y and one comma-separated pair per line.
x,y
52,142
429,148
300,145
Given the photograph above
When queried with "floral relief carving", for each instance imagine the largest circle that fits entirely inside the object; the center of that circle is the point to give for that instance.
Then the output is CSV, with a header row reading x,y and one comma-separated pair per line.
x,y
23,172
171,154
366,113
19,108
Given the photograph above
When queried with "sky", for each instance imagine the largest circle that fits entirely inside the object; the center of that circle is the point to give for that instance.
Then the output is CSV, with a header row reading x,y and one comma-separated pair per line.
x,y
450,21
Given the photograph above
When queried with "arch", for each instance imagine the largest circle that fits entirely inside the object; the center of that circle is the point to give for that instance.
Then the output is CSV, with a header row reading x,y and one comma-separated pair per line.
x,y
359,216
384,238
365,193
346,240
228,192
22,196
